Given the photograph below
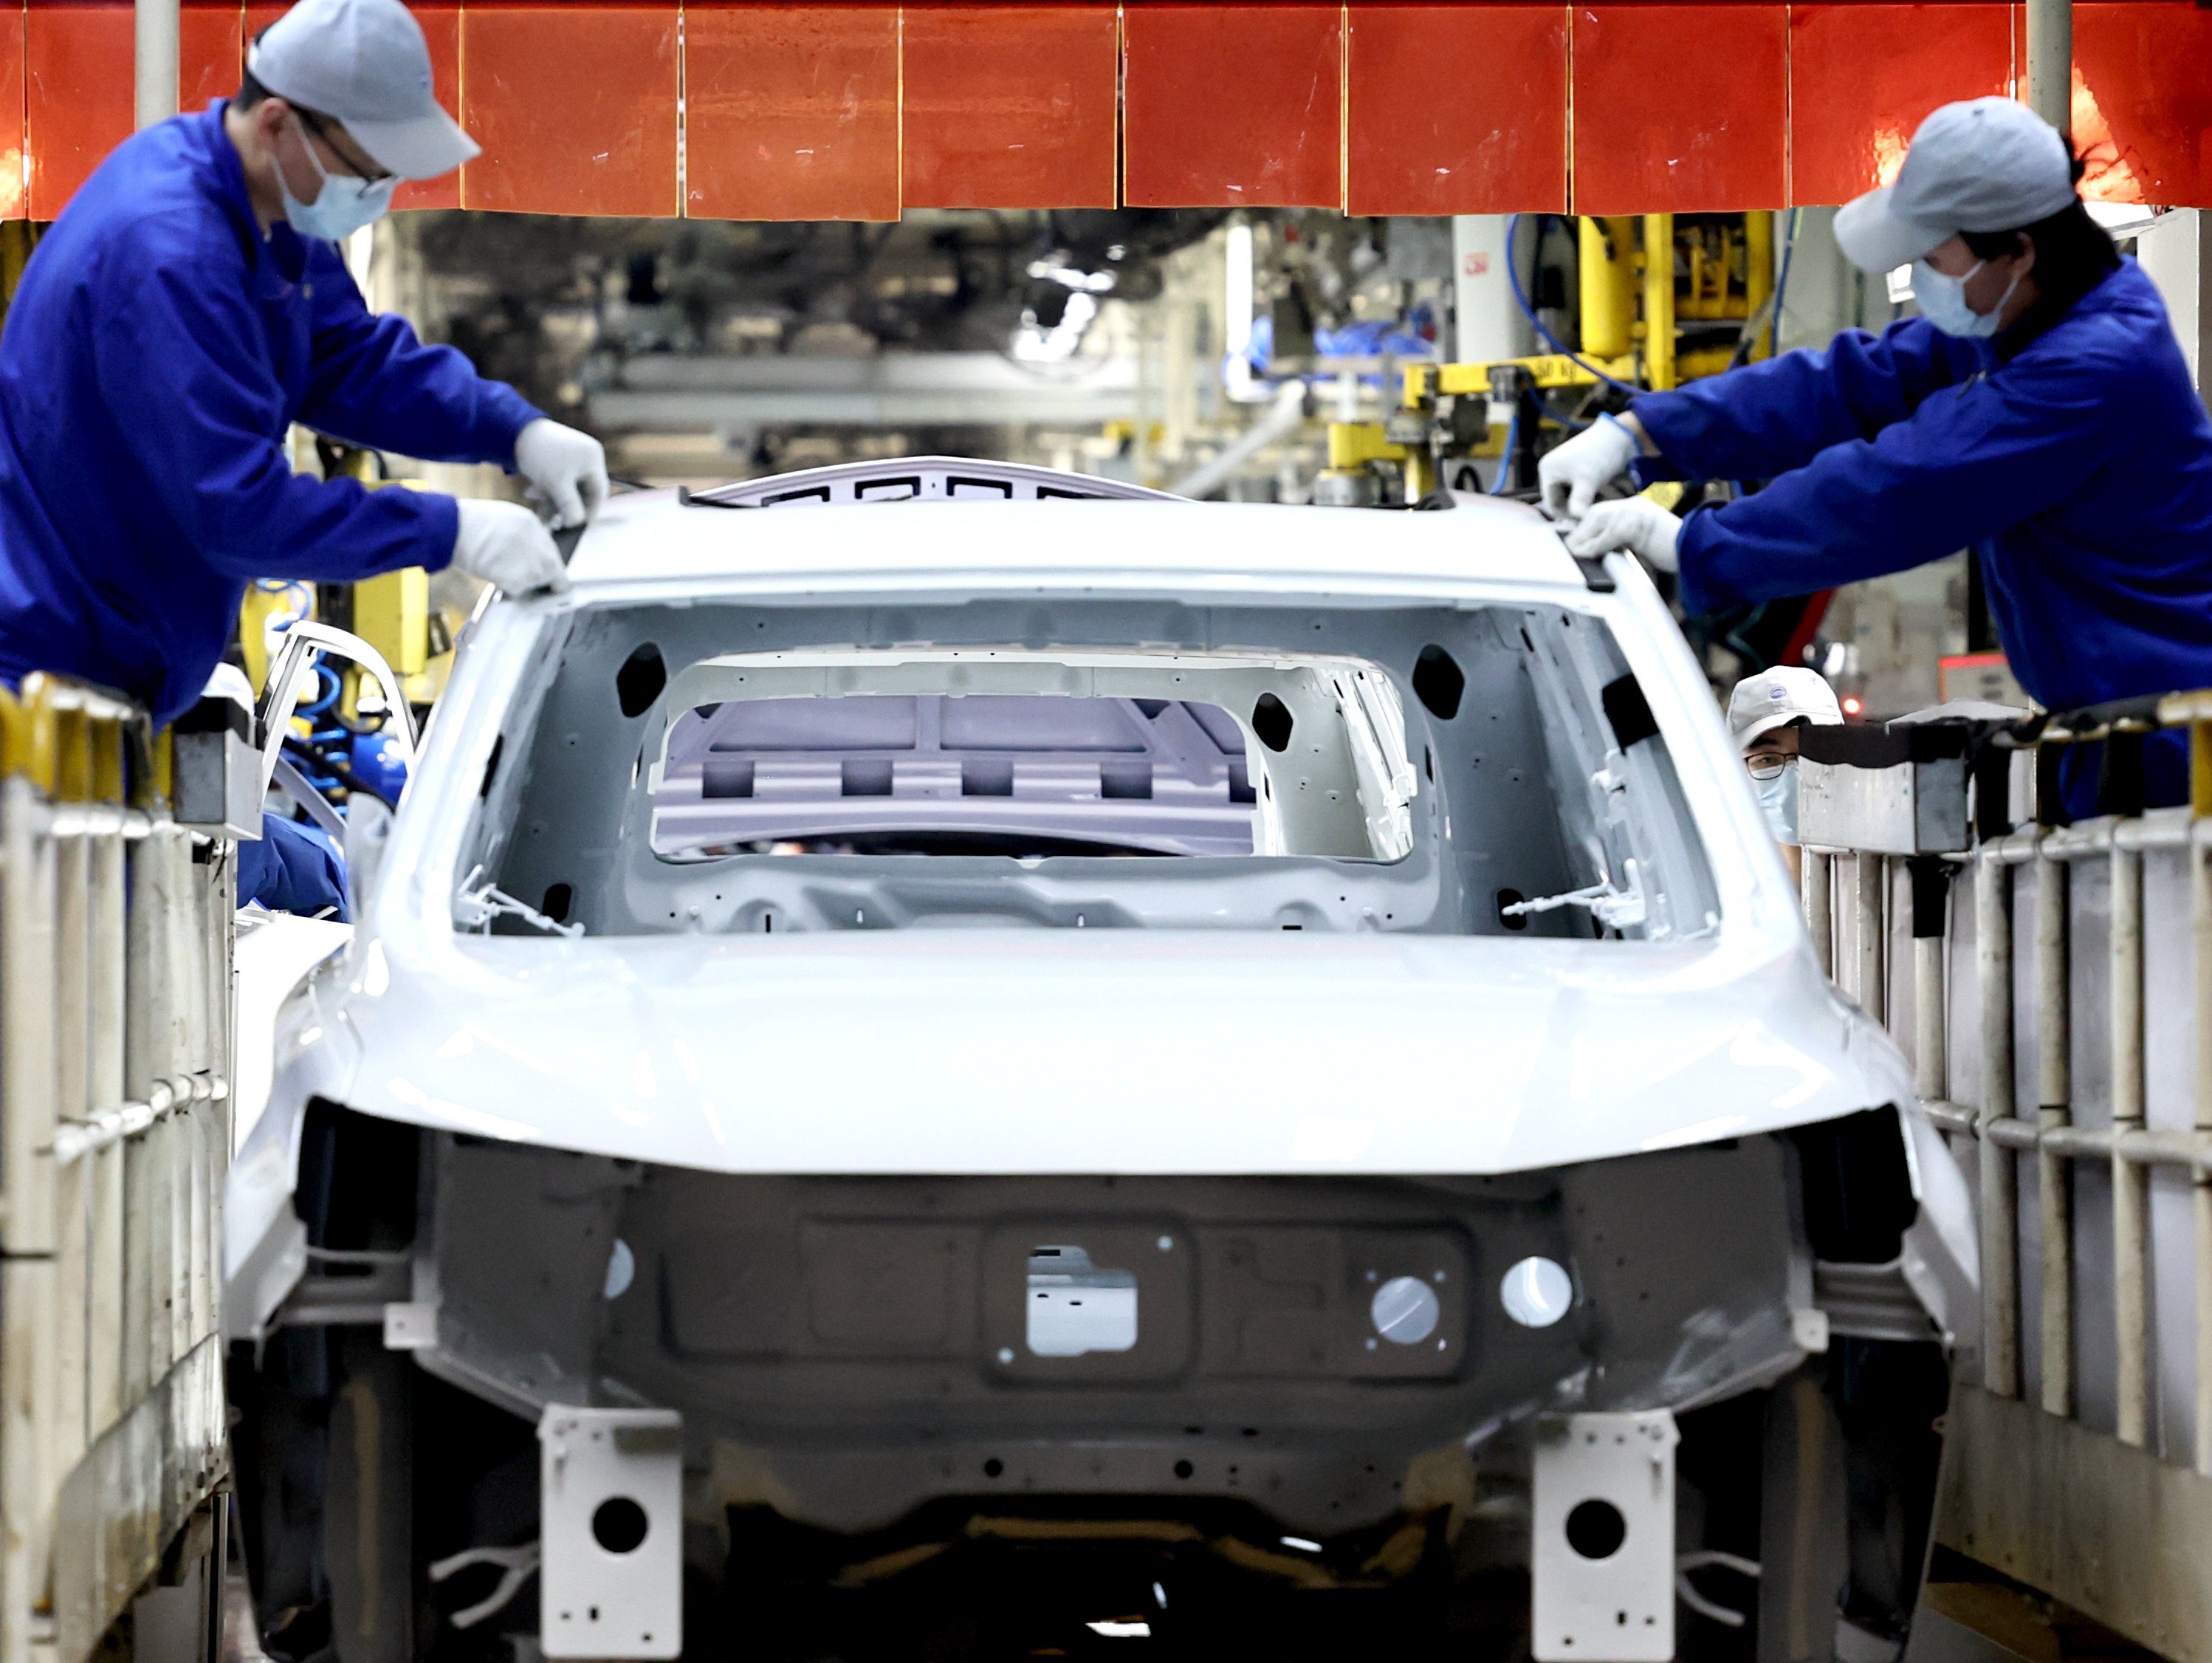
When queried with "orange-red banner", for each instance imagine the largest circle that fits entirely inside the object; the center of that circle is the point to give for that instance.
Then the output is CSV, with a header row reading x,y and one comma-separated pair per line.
x,y
860,110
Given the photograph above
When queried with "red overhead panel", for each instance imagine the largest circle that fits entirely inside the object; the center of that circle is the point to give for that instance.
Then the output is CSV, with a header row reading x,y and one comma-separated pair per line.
x,y
1863,77
12,205
77,104
1456,109
1234,106
210,52
1680,109
1010,106
2142,102
792,111
574,105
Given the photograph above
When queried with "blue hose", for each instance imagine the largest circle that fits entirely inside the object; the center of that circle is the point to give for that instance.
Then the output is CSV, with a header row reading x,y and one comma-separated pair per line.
x,y
1782,285
1505,456
1513,277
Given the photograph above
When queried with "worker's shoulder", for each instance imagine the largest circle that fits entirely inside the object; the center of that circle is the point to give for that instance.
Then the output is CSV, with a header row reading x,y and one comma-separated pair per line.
x,y
159,202
2119,331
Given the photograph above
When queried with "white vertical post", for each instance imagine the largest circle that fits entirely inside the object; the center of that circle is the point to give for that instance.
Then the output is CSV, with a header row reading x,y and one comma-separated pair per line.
x,y
2000,1184
1487,322
156,60
2049,75
2054,1089
2130,1181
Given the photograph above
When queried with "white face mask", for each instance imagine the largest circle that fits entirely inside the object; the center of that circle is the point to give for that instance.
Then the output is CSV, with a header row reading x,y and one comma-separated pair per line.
x,y
1943,302
343,204
1778,797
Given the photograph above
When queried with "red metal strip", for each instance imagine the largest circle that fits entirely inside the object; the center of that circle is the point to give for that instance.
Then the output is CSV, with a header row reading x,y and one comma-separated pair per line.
x,y
1010,106
1680,108
1863,77
77,105
1232,106
211,54
792,111
574,107
13,203
441,33
1456,109
2142,102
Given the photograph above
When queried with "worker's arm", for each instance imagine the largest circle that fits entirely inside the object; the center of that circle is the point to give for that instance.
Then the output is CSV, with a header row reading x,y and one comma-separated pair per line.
x,y
182,362
1969,462
1765,419
373,383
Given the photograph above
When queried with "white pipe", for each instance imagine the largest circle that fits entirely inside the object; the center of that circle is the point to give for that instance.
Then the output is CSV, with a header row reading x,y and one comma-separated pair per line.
x,y
156,60
1286,419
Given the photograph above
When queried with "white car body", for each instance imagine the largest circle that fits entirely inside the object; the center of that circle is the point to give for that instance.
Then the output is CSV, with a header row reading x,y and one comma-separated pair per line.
x,y
1340,1047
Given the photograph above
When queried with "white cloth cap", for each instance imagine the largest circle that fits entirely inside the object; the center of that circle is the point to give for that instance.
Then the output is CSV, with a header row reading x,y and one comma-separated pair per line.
x,y
363,62
1776,698
1986,164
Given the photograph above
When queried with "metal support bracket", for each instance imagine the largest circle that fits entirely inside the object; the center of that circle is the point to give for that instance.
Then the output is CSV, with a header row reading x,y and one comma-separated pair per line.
x,y
612,1518
1602,1548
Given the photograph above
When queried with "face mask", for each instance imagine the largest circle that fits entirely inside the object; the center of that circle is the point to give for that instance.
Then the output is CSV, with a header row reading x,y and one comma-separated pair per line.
x,y
343,204
1777,798
1943,302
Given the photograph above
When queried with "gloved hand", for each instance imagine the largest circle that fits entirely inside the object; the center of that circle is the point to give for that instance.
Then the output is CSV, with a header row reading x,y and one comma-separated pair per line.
x,y
566,468
1635,523
508,545
1573,473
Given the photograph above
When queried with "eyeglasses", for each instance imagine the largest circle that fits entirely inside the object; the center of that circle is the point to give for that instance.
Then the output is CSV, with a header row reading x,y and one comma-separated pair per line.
x,y
1765,764
321,129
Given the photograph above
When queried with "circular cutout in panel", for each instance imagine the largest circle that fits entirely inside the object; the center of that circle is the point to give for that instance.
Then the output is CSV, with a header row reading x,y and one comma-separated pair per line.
x,y
1537,1292
1595,1529
618,1525
1405,1310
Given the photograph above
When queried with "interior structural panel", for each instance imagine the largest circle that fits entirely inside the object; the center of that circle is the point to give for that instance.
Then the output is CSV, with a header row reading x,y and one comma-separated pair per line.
x,y
856,112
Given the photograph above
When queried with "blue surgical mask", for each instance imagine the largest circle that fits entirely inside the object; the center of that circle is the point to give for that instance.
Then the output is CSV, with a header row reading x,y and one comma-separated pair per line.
x,y
1943,302
1778,799
343,204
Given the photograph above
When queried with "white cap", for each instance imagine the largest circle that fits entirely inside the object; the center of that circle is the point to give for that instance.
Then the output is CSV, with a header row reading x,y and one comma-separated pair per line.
x,y
1987,164
363,62
1777,698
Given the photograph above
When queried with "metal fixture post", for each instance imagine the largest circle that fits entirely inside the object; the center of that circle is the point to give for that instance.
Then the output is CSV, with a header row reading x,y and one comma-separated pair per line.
x,y
157,58
2050,64
2000,1180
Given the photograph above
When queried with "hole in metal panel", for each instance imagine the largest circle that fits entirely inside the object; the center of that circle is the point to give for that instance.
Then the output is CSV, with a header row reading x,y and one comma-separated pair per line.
x,y
619,1525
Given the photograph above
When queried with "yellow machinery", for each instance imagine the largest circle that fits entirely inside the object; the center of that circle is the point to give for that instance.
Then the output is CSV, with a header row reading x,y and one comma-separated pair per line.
x,y
391,613
1645,322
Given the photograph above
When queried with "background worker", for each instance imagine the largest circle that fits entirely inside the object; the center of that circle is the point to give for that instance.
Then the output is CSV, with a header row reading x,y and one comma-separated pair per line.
x,y
2039,410
185,309
1768,713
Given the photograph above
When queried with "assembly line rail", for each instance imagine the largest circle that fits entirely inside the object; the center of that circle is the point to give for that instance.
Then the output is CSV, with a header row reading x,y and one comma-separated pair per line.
x,y
2078,1457
115,964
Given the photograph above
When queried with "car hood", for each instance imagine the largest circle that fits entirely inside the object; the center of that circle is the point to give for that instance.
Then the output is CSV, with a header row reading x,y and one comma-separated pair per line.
x,y
1003,1052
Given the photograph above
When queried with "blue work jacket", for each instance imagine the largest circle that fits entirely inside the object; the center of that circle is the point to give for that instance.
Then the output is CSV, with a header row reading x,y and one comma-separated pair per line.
x,y
2079,465
157,349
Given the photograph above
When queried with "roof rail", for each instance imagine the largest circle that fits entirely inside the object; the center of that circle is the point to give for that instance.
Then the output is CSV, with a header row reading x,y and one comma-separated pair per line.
x,y
920,478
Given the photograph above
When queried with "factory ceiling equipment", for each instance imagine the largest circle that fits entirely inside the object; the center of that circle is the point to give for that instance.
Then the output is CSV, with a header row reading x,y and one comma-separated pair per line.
x,y
859,112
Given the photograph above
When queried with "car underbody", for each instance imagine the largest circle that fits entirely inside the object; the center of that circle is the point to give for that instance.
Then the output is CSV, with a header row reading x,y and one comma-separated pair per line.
x,y
867,1414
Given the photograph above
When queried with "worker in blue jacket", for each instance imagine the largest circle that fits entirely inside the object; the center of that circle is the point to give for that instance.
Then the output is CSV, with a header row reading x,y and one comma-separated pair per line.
x,y
2039,410
188,306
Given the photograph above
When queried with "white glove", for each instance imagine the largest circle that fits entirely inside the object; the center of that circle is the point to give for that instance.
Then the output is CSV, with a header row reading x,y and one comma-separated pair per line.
x,y
566,469
1573,473
509,547
1635,523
